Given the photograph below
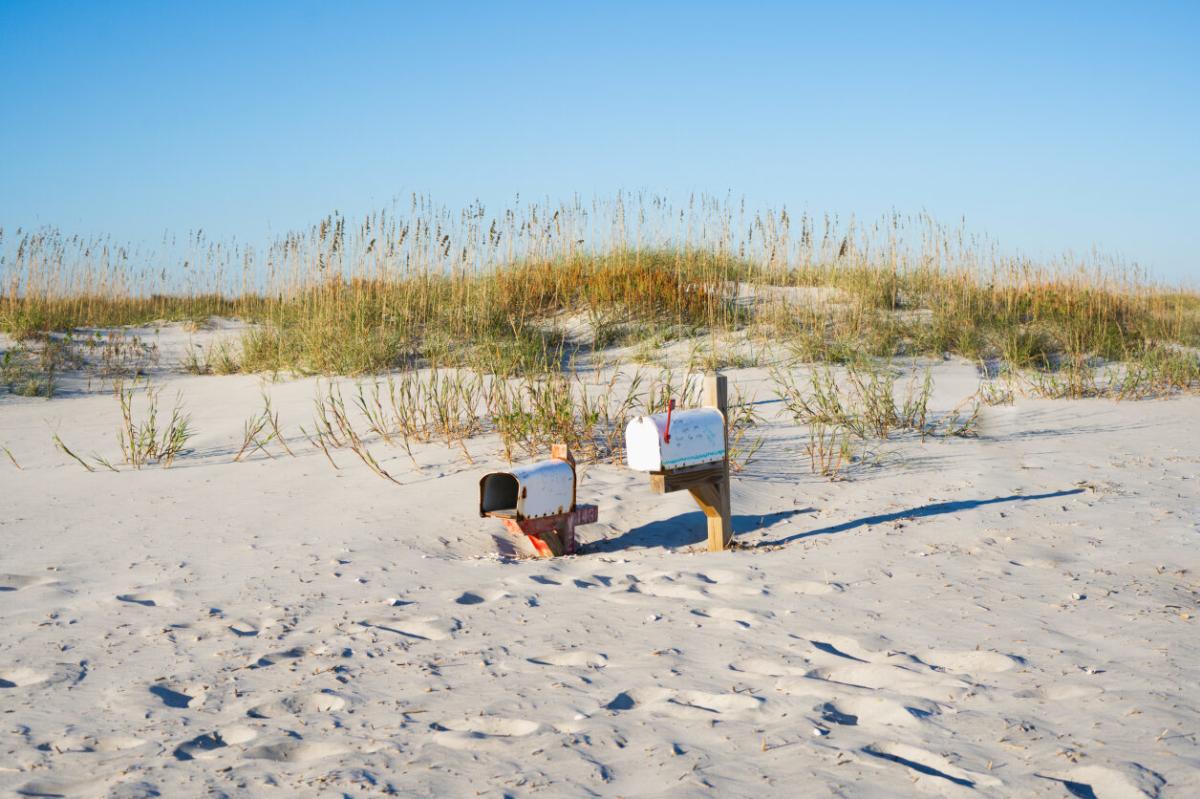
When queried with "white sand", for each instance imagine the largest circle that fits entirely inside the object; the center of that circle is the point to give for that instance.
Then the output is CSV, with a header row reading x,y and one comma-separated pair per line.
x,y
1008,616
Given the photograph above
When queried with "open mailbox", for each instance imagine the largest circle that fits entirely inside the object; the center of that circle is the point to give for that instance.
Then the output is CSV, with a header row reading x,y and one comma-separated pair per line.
x,y
538,501
545,488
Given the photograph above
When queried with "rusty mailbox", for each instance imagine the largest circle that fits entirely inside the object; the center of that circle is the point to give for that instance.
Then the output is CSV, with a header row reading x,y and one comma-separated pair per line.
x,y
537,501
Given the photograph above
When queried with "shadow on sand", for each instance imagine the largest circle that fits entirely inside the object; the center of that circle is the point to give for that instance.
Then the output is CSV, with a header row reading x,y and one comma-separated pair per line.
x,y
689,529
685,530
936,509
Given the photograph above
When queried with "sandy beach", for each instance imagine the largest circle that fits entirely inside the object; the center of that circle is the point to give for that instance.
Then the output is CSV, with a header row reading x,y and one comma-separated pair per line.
x,y
1012,614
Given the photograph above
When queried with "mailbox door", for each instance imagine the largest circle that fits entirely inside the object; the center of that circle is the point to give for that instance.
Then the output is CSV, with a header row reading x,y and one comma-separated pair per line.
x,y
498,493
546,488
697,436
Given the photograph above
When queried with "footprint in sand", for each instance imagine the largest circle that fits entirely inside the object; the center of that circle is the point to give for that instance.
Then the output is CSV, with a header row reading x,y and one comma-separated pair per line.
x,y
18,582
924,763
927,684
814,588
424,628
480,731
116,743
89,743
1059,692
18,677
21,678
669,589
1115,781
973,661
844,646
210,744
244,628
474,598
150,599
576,658
742,618
187,696
729,584
88,786
295,653
684,704
292,751
876,711
766,667
299,705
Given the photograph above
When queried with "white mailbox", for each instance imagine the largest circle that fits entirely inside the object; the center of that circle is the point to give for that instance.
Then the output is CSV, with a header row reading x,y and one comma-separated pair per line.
x,y
693,437
545,488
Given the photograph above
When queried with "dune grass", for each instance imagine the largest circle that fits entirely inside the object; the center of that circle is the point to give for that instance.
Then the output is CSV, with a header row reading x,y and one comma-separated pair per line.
x,y
523,290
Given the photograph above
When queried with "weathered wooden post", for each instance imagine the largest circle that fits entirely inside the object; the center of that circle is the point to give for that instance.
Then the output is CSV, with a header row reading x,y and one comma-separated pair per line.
x,y
720,519
698,463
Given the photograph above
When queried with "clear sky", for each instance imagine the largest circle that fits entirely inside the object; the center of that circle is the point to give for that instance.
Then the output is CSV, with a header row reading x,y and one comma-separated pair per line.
x,y
1050,126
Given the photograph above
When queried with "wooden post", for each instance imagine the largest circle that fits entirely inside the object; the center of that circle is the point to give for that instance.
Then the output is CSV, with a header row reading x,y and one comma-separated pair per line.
x,y
713,497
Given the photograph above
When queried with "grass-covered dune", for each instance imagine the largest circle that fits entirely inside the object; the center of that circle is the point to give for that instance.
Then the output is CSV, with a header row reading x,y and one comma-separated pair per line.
x,y
517,290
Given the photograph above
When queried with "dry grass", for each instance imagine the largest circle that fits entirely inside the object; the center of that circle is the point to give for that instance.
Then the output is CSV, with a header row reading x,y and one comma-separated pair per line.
x,y
12,458
144,437
862,399
846,409
468,289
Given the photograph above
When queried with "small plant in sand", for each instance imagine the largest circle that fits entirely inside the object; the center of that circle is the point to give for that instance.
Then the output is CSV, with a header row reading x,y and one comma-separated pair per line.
x,y
962,421
64,449
829,449
196,361
96,459
533,412
670,384
144,438
19,375
32,369
604,412
1154,371
998,386
260,430
1074,378
742,420
117,354
12,458
423,406
335,429
218,357
864,402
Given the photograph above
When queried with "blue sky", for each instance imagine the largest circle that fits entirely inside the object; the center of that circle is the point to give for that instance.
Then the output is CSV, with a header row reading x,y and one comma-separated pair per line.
x,y
1050,126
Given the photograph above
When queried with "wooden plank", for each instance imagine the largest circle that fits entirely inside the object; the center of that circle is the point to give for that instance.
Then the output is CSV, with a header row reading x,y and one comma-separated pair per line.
x,y
551,539
684,479
541,534
506,513
586,514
